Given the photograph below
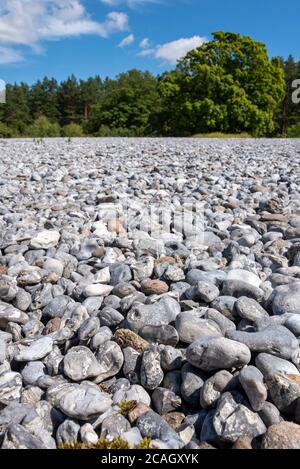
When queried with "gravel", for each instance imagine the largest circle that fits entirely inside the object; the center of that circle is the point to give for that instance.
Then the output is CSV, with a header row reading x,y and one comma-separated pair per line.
x,y
150,288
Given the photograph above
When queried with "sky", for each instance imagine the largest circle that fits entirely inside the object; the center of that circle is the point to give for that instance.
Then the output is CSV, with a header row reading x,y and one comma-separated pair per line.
x,y
106,37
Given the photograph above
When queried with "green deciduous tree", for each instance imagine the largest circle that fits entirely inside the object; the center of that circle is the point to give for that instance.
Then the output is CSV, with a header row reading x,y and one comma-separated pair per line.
x,y
227,84
73,130
126,104
42,128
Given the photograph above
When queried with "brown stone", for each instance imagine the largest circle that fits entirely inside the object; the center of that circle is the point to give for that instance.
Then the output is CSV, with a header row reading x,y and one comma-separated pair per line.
x,y
243,443
236,221
3,270
154,287
174,419
52,277
166,260
231,204
219,208
259,188
53,325
284,435
57,208
85,231
265,216
139,410
99,252
205,445
115,226
127,338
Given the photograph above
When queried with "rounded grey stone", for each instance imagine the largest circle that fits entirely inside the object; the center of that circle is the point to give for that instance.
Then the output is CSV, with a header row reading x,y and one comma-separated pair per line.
x,y
213,353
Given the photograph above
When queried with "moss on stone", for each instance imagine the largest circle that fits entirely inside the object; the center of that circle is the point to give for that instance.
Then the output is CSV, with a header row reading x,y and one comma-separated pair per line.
x,y
116,443
126,407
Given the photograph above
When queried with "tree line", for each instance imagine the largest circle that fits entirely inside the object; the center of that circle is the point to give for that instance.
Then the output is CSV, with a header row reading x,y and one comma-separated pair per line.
x,y
227,85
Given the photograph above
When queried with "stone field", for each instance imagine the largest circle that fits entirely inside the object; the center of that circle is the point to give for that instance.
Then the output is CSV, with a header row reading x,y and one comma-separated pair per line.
x,y
150,293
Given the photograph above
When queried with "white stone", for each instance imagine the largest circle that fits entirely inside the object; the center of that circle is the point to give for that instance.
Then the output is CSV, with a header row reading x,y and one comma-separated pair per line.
x,y
97,290
45,240
244,276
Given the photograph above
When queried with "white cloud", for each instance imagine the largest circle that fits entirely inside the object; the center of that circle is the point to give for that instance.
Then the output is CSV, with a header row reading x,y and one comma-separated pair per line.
x,y
172,51
29,22
145,43
127,41
129,3
9,55
146,52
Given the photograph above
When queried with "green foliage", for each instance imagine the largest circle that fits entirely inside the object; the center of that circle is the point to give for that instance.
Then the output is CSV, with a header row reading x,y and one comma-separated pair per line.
x,y
5,132
42,128
222,135
73,130
125,106
227,85
106,131
126,407
116,443
294,131
43,99
16,112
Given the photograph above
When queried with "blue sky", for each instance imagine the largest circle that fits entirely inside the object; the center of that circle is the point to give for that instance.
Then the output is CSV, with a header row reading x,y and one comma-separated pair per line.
x,y
106,37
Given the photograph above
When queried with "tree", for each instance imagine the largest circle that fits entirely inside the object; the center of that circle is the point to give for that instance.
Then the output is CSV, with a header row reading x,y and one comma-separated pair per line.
x,y
16,111
90,94
228,84
73,130
69,101
5,132
126,104
44,99
42,128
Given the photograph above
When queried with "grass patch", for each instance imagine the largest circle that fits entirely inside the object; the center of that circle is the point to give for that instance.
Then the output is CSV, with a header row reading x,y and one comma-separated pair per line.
x,y
116,443
126,407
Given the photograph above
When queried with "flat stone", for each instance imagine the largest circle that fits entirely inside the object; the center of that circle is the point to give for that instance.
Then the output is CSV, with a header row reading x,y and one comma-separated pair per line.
x,y
80,364
84,403
192,326
270,365
37,350
154,287
10,314
233,420
162,312
127,338
249,309
252,381
17,437
10,387
284,435
97,290
213,353
286,299
110,359
274,340
164,334
45,240
151,372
